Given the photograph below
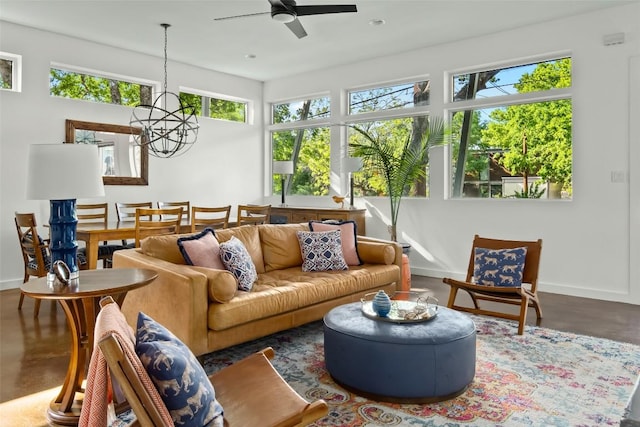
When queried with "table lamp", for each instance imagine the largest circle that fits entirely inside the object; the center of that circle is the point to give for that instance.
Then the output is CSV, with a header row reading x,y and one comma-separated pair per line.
x,y
351,165
283,168
62,173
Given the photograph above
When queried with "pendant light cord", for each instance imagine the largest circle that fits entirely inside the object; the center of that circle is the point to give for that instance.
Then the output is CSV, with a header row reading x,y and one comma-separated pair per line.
x,y
165,54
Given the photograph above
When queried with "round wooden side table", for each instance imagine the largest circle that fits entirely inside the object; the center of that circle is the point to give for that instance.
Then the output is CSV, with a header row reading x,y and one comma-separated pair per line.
x,y
80,304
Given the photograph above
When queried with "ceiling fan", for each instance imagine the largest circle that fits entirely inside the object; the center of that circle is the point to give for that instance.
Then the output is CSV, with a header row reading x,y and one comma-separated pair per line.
x,y
287,12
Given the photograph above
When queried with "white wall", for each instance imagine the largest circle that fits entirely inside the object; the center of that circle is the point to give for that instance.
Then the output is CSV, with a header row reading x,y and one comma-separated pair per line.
x,y
586,241
217,170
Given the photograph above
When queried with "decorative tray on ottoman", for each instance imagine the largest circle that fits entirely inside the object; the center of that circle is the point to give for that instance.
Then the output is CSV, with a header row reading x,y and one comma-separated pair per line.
x,y
406,307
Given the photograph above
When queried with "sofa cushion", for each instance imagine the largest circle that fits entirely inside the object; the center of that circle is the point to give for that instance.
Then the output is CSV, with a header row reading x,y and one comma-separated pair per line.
x,y
348,235
499,267
164,247
321,250
250,238
201,249
238,261
283,291
181,381
280,247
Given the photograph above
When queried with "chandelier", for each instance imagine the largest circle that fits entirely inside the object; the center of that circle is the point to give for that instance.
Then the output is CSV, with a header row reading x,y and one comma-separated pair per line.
x,y
169,126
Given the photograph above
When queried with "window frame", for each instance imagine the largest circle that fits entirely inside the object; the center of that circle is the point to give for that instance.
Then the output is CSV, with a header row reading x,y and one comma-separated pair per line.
x,y
16,71
249,115
452,106
156,87
385,115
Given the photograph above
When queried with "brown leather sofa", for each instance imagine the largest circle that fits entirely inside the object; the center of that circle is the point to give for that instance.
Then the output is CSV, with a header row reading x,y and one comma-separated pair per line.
x,y
204,308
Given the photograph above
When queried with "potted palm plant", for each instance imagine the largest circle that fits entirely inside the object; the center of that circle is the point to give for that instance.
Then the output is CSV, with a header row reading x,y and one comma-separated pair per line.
x,y
401,168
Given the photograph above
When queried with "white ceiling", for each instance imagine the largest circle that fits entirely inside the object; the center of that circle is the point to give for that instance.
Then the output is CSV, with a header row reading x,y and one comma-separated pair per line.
x,y
196,39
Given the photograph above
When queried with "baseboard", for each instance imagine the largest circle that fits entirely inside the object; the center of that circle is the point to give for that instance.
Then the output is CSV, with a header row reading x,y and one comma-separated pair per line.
x,y
552,288
10,284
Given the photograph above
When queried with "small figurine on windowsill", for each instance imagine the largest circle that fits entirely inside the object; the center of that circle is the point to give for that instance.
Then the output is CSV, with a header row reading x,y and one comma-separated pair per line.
x,y
339,199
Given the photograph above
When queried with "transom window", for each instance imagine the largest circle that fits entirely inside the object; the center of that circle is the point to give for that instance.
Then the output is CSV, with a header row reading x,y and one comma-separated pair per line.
x,y
405,95
512,138
217,107
97,87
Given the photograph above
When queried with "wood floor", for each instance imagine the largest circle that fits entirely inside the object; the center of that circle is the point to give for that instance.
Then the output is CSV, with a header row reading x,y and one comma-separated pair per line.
x,y
34,352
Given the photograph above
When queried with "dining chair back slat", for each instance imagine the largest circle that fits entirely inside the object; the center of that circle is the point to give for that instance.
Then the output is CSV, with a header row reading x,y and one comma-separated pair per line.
x,y
212,217
147,224
186,209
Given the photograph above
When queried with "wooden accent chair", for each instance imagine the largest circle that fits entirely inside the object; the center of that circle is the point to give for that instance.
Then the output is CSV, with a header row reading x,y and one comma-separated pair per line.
x,y
99,213
186,208
525,295
150,222
213,217
254,214
251,391
35,252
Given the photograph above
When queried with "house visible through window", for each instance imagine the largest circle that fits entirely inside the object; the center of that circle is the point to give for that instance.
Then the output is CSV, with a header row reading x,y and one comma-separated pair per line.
x,y
512,137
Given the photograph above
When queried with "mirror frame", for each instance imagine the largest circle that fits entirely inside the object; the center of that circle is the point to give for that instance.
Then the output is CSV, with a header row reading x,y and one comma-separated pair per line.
x,y
70,131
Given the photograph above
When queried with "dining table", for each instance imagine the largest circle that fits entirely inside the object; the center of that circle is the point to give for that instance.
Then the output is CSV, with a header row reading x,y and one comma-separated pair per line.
x,y
95,233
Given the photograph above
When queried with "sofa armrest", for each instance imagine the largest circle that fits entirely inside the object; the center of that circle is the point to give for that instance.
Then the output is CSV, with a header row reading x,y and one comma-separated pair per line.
x,y
178,298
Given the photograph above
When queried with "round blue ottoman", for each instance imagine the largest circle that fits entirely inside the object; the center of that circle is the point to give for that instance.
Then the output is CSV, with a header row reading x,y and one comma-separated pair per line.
x,y
400,362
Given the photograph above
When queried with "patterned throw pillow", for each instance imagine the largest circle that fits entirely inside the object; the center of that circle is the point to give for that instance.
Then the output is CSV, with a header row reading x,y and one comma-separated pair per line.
x,y
321,250
202,249
180,379
237,260
348,236
499,267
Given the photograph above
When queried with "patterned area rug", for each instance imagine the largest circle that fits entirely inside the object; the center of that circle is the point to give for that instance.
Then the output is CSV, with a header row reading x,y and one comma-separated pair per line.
x,y
543,378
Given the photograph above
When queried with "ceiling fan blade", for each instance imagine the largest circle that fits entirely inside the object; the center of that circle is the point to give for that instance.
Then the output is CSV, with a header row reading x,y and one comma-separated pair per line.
x,y
241,16
322,9
296,27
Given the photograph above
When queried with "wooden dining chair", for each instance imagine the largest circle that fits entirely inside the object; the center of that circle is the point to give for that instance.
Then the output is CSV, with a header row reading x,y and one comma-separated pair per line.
x,y
126,212
35,252
253,214
98,213
501,272
250,391
149,222
212,217
186,209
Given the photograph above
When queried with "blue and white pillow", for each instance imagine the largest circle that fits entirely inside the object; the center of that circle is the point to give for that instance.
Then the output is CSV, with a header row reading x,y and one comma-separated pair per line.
x,y
237,260
181,381
499,267
321,250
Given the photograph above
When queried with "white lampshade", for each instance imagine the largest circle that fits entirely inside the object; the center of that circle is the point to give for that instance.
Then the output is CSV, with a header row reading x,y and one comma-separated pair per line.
x,y
283,167
351,164
63,171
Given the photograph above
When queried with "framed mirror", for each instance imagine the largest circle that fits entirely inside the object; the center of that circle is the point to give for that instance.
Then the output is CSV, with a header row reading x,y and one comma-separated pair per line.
x,y
123,161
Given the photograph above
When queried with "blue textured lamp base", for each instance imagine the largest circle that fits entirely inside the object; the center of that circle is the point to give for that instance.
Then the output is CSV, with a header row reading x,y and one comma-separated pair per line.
x,y
62,223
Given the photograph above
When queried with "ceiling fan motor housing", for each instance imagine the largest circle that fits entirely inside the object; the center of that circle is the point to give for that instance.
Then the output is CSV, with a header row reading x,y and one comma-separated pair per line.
x,y
284,12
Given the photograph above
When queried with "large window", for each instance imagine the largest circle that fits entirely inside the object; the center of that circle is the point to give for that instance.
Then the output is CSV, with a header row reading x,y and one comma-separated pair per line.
x,y
395,114
97,87
10,71
300,133
512,136
216,107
